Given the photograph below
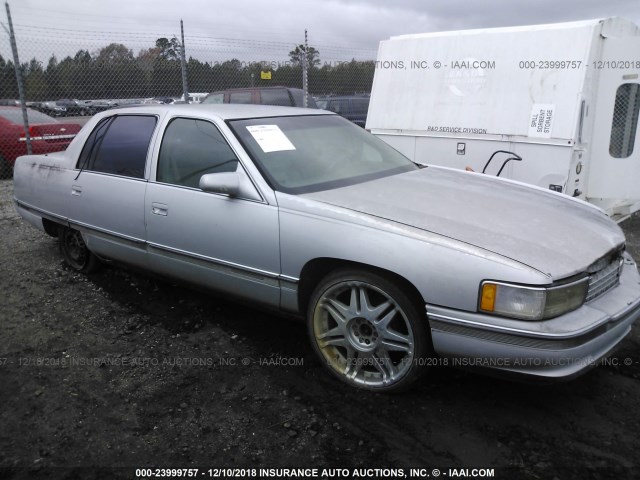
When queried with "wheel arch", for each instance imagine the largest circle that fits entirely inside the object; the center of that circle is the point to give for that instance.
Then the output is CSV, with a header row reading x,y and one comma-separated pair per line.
x,y
318,268
51,228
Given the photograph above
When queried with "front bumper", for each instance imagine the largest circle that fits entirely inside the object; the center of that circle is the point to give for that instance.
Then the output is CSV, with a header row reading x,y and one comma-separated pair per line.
x,y
562,347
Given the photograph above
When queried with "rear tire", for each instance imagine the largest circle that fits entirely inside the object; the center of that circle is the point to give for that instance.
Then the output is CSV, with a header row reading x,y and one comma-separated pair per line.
x,y
368,332
75,251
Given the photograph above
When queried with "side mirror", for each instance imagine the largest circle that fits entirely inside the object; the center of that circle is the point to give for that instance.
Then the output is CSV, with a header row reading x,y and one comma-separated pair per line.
x,y
227,183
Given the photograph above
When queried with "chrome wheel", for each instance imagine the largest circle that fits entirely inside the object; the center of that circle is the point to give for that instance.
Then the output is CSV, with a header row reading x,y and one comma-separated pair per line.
x,y
367,331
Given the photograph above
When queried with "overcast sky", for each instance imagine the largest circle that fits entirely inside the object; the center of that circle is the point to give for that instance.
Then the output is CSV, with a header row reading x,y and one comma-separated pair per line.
x,y
337,28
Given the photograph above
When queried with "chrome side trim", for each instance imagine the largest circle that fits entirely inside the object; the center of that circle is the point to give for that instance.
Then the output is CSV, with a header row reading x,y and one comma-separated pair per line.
x,y
272,278
48,137
264,276
293,281
86,228
44,213
83,227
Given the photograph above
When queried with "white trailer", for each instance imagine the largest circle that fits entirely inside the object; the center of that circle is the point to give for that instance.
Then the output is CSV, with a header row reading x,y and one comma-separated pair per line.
x,y
564,97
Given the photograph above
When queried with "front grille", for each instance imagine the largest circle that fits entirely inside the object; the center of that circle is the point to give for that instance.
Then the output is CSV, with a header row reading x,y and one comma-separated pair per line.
x,y
604,279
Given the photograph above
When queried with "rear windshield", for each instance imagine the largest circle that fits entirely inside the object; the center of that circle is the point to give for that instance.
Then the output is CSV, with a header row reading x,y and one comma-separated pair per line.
x,y
14,115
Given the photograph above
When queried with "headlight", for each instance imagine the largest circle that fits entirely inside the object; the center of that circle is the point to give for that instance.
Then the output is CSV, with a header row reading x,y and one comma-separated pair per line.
x,y
532,303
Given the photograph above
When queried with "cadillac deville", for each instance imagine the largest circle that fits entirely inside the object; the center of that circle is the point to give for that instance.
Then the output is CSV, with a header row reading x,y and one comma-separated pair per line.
x,y
391,263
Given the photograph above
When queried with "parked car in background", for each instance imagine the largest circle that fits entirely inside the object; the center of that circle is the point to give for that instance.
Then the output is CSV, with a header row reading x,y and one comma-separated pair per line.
x,y
353,108
9,102
193,98
49,108
75,107
162,100
95,106
47,135
282,96
391,263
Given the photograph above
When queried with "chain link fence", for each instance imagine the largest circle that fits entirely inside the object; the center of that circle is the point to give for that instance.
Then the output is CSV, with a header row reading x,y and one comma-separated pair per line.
x,y
96,70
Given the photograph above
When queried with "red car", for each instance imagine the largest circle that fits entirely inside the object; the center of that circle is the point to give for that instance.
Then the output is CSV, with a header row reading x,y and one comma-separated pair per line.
x,y
47,135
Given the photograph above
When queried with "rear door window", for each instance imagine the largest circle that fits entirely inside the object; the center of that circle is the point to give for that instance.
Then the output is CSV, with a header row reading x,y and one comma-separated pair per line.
x,y
118,145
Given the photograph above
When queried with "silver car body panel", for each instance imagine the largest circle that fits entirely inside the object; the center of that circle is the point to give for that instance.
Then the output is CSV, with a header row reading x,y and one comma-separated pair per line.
x,y
240,234
443,231
504,217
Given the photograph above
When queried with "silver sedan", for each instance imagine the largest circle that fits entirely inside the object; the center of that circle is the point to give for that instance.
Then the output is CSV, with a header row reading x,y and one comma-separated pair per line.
x,y
395,266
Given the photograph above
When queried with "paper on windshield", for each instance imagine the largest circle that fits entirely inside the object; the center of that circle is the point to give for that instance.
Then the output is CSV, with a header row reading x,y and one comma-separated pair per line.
x,y
270,138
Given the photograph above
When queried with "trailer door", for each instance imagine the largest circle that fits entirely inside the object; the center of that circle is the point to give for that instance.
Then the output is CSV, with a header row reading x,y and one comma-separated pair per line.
x,y
614,176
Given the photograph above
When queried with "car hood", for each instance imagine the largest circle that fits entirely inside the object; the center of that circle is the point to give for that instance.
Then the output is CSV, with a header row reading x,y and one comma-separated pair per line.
x,y
549,232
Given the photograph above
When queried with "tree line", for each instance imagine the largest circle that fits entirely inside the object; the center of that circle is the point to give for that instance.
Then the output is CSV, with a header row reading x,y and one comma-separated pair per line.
x,y
115,72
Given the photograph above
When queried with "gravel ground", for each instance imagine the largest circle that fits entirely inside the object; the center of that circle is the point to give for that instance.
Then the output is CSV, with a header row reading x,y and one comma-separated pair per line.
x,y
103,374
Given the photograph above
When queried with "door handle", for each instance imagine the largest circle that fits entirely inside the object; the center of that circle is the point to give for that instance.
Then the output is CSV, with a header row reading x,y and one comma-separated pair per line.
x,y
159,209
76,190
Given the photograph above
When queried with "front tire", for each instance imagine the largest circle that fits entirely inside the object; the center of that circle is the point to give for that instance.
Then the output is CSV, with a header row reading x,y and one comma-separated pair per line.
x,y
368,332
75,251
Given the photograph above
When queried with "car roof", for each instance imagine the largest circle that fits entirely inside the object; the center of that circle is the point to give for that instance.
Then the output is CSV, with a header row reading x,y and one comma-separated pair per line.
x,y
225,111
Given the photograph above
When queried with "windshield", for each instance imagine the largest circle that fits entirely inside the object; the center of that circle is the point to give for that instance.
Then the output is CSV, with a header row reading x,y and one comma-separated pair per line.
x,y
304,154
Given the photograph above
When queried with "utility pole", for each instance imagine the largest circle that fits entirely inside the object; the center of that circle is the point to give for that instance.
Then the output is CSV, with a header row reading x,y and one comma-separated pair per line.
x,y
16,63
183,61
305,74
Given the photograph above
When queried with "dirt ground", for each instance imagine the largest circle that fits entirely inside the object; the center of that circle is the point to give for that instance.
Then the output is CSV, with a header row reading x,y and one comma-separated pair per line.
x,y
101,375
